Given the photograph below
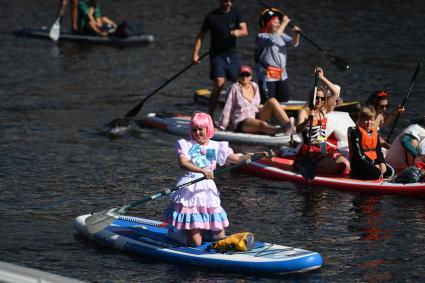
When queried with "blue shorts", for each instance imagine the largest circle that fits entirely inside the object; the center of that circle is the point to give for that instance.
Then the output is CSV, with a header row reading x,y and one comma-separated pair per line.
x,y
225,67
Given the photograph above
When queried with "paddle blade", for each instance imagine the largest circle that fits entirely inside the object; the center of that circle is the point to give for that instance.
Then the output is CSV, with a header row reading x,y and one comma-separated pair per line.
x,y
120,127
55,30
100,220
307,167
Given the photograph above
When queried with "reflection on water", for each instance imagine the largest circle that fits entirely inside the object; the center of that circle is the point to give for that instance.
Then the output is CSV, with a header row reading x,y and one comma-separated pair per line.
x,y
368,211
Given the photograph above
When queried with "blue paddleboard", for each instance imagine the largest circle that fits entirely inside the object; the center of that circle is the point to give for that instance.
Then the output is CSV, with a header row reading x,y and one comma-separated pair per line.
x,y
148,238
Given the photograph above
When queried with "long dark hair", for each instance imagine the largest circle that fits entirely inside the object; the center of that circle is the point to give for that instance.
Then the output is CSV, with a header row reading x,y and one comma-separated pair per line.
x,y
374,98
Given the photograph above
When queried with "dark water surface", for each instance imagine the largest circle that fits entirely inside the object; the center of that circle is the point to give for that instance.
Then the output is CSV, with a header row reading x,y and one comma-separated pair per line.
x,y
54,164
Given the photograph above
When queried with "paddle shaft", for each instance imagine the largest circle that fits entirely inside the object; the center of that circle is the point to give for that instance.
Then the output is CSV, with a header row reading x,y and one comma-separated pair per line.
x,y
340,63
62,8
307,166
418,67
133,112
100,220
168,191
54,32
316,79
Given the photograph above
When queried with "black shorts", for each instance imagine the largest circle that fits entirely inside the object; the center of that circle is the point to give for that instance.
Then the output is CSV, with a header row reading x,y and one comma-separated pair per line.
x,y
239,127
277,89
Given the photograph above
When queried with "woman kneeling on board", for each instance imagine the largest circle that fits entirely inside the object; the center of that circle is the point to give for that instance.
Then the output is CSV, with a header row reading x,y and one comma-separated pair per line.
x,y
195,211
242,111
366,157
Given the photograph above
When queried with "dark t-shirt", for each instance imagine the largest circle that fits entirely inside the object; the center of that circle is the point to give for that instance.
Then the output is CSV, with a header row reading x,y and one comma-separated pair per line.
x,y
220,24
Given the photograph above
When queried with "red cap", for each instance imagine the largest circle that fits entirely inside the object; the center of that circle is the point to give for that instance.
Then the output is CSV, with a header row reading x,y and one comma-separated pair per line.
x,y
245,69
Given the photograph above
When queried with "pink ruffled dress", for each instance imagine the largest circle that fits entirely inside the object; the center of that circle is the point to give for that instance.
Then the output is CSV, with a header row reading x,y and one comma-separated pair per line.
x,y
198,206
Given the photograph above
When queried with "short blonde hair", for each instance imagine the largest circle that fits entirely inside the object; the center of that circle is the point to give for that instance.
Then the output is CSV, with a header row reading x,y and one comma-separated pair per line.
x,y
366,113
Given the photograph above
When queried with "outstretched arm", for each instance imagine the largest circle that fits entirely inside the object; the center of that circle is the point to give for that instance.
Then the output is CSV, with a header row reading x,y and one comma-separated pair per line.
x,y
197,46
390,117
283,24
297,31
238,157
333,88
297,35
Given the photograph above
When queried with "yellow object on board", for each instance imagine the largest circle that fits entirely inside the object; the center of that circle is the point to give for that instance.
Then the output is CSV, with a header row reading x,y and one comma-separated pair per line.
x,y
243,241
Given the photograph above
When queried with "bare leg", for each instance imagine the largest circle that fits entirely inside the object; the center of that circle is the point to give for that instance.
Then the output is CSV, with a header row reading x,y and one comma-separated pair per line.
x,y
273,109
328,166
253,126
218,235
108,21
344,164
215,95
74,15
194,237
212,236
93,26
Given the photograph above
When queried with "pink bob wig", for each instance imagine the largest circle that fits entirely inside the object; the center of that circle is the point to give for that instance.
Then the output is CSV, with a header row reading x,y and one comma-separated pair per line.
x,y
202,120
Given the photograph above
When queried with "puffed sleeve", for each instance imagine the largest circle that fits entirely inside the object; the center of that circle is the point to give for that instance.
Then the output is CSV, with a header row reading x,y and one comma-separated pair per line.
x,y
223,152
182,148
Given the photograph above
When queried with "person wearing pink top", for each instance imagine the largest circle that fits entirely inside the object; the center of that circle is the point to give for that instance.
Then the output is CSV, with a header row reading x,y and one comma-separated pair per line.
x,y
195,212
243,113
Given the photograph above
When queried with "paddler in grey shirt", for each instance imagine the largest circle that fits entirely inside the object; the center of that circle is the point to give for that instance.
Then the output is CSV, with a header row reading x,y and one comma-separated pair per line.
x,y
271,52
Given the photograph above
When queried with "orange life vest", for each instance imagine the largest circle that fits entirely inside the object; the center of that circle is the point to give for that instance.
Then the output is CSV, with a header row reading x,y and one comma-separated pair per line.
x,y
369,143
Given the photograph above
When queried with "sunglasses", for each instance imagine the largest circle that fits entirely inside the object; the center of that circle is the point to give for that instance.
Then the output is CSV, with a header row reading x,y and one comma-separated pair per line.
x,y
322,98
383,106
245,75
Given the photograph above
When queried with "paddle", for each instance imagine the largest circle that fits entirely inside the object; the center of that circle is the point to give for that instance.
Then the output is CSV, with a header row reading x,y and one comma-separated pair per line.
x,y
133,112
405,99
55,30
307,166
339,63
100,220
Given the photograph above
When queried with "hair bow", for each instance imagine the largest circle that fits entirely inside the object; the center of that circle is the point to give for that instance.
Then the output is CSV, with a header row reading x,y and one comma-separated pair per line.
x,y
200,156
382,94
